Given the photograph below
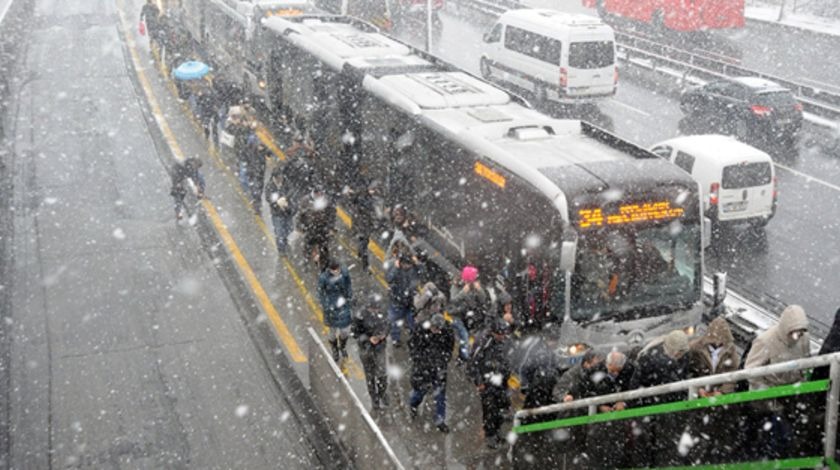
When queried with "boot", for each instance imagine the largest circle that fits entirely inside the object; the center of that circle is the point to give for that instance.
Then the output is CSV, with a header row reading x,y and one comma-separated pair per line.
x,y
335,353
342,343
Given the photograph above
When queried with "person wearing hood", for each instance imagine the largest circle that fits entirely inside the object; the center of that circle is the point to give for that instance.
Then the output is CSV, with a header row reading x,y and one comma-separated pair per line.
x,y
402,281
370,328
427,302
335,292
786,341
278,195
714,353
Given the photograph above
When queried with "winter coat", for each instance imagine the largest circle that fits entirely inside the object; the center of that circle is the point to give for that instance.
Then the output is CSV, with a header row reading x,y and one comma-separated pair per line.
x,y
364,222
240,132
366,324
336,296
490,362
255,161
471,307
150,14
182,172
402,283
657,368
427,302
699,359
430,355
279,199
775,346
623,382
206,105
831,344
579,382
317,218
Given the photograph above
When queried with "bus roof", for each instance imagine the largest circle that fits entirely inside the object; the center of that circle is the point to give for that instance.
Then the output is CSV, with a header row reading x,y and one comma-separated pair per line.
x,y
554,156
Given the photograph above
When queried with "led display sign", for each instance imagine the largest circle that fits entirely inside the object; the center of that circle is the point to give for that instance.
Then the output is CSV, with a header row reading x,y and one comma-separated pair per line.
x,y
629,213
487,173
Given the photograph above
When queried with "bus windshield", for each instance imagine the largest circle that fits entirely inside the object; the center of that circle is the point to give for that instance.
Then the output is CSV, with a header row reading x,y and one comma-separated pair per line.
x,y
636,272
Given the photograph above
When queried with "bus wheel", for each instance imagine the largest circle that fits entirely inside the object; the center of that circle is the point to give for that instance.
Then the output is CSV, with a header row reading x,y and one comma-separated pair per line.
x,y
485,68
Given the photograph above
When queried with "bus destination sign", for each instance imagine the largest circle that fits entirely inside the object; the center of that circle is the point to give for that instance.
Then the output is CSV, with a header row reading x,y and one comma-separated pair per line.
x,y
629,213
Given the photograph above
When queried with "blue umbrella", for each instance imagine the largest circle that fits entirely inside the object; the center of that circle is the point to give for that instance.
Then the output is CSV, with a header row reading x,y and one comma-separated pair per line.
x,y
191,70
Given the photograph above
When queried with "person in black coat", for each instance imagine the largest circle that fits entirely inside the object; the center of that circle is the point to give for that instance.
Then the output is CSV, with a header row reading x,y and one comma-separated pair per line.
x,y
370,328
317,220
430,348
364,223
490,370
402,278
150,13
182,173
662,361
278,195
255,163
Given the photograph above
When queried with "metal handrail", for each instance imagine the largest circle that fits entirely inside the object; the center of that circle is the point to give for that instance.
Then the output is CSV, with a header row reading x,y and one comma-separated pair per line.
x,y
692,385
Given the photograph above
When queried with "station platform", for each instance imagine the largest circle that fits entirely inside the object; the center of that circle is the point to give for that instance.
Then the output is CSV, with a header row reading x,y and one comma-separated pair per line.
x,y
284,287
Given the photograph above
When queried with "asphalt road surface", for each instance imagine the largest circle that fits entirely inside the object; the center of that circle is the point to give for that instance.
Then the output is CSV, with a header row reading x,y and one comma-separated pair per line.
x,y
126,347
797,259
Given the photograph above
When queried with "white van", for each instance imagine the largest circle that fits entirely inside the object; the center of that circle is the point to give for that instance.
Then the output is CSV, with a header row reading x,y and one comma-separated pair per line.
x,y
738,182
551,55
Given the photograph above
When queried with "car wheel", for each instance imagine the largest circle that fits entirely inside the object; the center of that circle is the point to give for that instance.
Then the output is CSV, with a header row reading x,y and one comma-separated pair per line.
x,y
485,68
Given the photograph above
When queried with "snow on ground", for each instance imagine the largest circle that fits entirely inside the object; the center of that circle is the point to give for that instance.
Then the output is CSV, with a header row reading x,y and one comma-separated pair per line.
x,y
760,11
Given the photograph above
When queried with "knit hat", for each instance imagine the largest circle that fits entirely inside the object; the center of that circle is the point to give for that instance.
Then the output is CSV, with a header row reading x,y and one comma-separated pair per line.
x,y
675,343
469,274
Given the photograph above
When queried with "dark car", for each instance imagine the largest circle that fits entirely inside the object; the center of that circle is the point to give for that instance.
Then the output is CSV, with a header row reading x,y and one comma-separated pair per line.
x,y
754,110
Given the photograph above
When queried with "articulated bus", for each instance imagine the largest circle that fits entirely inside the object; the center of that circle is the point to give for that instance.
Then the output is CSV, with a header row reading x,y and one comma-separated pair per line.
x,y
227,32
676,15
616,231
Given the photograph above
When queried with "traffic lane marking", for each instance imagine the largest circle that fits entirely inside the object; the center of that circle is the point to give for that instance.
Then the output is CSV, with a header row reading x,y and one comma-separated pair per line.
x,y
808,177
280,327
631,108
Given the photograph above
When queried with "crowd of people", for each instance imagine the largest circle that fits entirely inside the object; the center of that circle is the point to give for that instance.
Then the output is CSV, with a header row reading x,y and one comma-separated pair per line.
x,y
459,319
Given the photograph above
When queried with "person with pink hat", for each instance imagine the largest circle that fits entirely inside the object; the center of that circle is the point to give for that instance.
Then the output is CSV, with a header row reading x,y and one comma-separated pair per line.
x,y
468,307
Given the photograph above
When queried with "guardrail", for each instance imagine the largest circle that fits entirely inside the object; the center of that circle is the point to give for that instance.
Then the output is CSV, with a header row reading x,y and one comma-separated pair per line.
x,y
814,100
558,418
348,418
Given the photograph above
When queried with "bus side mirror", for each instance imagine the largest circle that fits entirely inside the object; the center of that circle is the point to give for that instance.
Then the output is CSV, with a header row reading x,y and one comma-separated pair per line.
x,y
719,291
707,232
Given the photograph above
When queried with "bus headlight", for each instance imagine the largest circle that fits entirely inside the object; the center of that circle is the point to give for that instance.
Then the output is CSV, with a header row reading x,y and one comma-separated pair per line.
x,y
261,84
689,331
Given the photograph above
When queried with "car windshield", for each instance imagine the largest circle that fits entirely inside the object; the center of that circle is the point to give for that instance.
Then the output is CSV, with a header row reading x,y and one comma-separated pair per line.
x,y
591,55
746,175
624,271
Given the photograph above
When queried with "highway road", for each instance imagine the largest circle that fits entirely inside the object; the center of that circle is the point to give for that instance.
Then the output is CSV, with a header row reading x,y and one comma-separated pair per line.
x,y
797,260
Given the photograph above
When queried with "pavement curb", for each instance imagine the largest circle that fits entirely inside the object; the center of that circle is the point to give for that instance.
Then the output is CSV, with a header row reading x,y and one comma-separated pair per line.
x,y
288,383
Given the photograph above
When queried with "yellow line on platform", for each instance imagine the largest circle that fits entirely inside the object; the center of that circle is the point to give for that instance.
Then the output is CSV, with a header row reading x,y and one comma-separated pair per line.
x,y
256,287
